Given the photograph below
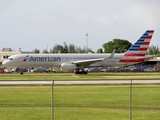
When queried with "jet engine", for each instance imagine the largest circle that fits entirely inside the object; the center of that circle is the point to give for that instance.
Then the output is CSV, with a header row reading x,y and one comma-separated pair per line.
x,y
68,67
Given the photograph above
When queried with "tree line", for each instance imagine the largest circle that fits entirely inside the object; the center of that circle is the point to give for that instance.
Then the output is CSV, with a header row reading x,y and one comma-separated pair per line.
x,y
71,48
120,45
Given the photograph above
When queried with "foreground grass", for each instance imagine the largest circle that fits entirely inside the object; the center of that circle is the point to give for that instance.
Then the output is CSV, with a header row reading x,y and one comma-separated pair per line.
x,y
79,102
72,76
76,114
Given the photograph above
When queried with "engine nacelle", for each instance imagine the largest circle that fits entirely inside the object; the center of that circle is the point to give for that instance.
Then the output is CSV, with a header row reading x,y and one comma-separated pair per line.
x,y
68,67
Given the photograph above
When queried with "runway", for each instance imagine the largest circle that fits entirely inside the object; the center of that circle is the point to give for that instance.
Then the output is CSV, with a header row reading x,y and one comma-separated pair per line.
x,y
71,82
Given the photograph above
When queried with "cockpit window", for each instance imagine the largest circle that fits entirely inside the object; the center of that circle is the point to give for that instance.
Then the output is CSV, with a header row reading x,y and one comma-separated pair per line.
x,y
10,58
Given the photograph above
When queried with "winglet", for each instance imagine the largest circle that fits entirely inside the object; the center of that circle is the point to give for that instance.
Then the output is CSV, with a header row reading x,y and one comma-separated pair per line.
x,y
112,54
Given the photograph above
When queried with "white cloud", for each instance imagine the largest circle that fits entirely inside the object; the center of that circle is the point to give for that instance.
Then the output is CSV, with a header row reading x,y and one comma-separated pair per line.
x,y
103,19
143,15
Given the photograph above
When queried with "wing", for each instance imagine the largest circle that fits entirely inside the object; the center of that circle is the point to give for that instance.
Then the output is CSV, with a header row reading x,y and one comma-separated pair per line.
x,y
88,62
91,61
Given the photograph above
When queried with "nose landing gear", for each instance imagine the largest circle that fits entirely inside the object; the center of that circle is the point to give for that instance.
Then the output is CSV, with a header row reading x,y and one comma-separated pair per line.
x,y
21,71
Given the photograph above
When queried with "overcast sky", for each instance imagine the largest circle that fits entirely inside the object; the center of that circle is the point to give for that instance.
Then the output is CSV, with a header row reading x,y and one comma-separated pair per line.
x,y
30,24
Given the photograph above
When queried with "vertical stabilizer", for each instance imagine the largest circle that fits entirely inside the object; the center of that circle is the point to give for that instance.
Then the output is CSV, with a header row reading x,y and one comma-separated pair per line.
x,y
141,46
139,49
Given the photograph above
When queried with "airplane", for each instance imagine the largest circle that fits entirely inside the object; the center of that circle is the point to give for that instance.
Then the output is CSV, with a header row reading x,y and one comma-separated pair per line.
x,y
78,62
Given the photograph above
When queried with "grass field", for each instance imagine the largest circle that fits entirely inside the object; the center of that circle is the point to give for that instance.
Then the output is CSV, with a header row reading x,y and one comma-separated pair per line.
x,y
79,102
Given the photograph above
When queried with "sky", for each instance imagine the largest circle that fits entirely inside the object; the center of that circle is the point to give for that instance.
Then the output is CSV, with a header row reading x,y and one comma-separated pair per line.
x,y
41,24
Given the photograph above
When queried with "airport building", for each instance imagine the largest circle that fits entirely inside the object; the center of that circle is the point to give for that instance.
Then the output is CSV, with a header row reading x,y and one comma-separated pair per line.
x,y
154,61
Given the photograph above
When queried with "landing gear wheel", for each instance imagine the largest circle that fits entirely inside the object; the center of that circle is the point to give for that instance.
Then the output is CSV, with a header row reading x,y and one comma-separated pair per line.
x,y
85,72
77,72
21,73
81,72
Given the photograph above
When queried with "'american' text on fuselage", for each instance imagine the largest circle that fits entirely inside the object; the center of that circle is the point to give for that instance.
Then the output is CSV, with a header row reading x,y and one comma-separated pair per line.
x,y
43,59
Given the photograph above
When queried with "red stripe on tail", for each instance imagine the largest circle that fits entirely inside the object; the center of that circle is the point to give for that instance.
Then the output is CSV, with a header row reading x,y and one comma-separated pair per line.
x,y
145,43
142,49
148,37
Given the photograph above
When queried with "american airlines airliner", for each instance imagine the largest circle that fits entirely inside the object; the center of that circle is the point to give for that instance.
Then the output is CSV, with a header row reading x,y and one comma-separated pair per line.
x,y
78,62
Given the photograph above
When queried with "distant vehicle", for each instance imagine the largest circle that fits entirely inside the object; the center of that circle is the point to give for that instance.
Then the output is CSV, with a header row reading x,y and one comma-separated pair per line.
x,y
156,68
20,70
122,70
138,69
49,70
1,70
93,70
8,70
104,69
112,70
13,69
149,69
38,70
130,68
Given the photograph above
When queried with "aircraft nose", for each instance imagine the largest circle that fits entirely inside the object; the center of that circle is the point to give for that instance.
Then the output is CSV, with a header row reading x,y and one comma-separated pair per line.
x,y
4,63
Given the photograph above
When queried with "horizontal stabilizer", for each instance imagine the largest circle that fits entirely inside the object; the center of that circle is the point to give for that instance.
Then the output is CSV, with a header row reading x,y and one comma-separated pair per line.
x,y
146,57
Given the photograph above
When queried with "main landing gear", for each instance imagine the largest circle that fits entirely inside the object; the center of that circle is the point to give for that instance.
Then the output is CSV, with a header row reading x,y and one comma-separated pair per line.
x,y
81,72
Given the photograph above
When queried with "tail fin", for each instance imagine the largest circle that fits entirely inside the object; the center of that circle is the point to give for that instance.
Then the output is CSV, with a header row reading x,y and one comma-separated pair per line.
x,y
141,46
136,53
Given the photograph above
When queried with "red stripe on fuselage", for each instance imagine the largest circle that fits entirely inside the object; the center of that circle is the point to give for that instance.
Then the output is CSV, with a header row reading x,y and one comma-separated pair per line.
x,y
131,60
132,54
